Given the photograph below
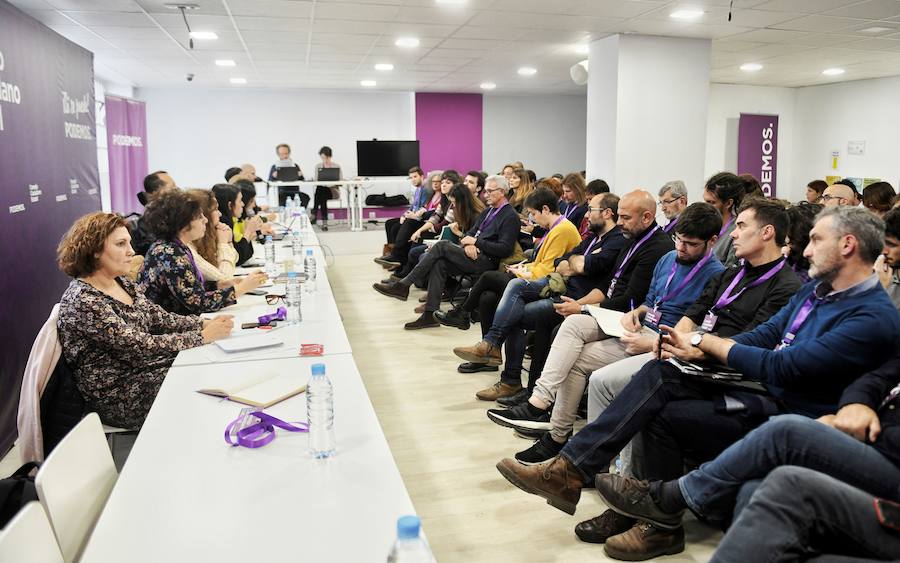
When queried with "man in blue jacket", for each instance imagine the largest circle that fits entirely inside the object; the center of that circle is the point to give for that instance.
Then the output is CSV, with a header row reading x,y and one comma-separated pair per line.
x,y
838,327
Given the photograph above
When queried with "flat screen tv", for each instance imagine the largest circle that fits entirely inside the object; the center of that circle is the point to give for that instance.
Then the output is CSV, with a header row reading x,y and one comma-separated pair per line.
x,y
386,158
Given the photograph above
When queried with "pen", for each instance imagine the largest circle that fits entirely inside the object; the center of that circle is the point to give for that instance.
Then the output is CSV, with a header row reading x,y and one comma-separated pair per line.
x,y
659,353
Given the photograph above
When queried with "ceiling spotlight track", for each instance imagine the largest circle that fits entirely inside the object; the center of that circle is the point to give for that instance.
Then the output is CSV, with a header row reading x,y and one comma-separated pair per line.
x,y
183,8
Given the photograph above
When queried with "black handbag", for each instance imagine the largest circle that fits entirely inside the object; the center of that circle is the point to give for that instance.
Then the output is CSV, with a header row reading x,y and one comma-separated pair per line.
x,y
16,491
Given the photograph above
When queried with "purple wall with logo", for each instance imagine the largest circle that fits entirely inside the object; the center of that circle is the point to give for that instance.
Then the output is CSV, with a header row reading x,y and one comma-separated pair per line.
x,y
48,155
448,127
758,149
126,136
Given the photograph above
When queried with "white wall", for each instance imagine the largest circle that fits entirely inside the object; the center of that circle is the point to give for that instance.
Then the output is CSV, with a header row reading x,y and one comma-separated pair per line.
x,y
196,134
546,132
830,116
726,103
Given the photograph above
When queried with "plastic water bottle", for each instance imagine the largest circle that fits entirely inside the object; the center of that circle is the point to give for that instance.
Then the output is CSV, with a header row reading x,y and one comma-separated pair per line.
x,y
410,547
320,413
271,266
297,245
309,266
304,220
292,299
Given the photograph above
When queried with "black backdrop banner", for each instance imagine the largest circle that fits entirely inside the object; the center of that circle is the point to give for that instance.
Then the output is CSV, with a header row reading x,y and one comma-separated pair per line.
x,y
48,178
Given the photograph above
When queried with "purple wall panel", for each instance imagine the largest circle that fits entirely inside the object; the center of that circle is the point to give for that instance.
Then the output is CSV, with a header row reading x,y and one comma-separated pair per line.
x,y
126,135
758,149
449,129
48,155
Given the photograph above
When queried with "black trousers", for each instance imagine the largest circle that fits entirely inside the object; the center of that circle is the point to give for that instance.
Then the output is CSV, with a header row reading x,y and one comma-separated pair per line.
x,y
402,243
320,203
290,191
485,295
391,228
445,259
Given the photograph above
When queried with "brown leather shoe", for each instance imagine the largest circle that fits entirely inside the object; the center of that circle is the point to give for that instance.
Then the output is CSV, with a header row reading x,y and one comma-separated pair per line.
x,y
631,497
482,353
557,480
600,528
645,541
497,391
395,290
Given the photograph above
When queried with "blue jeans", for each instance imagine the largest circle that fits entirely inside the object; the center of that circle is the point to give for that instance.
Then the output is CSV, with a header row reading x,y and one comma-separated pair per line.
x,y
798,514
534,315
711,490
659,393
511,309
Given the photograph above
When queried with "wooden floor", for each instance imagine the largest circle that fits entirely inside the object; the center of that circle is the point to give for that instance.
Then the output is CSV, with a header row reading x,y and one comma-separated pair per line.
x,y
443,443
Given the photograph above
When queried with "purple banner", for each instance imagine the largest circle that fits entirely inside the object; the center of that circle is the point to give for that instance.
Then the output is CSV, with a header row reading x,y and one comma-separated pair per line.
x,y
758,149
448,127
48,158
126,135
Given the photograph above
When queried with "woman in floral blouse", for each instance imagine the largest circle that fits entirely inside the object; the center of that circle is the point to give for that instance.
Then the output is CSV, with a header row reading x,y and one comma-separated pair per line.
x,y
170,276
118,344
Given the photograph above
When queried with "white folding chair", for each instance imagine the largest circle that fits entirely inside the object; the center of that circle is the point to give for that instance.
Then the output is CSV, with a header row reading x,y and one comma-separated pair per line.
x,y
74,483
29,537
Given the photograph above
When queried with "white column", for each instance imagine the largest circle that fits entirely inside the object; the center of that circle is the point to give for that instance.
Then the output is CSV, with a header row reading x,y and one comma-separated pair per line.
x,y
646,111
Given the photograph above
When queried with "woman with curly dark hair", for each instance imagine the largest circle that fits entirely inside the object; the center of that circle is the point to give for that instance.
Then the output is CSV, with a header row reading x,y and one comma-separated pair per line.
x,y
170,276
802,218
118,344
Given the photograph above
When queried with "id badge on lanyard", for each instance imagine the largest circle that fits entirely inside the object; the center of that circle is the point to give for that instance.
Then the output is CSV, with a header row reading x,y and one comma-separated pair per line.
x,y
653,316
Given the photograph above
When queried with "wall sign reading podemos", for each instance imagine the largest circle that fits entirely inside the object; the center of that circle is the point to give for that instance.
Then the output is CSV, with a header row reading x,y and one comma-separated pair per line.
x,y
758,149
126,134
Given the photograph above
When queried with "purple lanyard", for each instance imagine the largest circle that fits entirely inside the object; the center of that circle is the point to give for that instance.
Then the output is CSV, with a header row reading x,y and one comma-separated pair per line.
x,y
190,256
491,215
255,429
668,228
572,207
687,279
590,246
540,241
728,298
725,227
801,317
631,252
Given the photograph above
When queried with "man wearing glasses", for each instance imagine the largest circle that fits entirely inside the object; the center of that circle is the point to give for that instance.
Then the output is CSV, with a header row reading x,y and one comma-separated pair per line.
x,y
672,201
838,194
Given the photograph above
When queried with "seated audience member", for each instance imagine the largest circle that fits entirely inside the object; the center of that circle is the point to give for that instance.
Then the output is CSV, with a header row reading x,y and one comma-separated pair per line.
x,y
626,283
248,172
574,199
474,180
582,269
251,216
859,446
231,206
888,266
421,194
154,183
443,214
725,191
491,239
857,197
432,185
833,330
581,346
672,201
737,301
520,186
878,198
814,191
233,174
283,151
324,193
529,227
507,170
594,187
170,276
752,187
802,217
598,186
438,205
118,344
839,193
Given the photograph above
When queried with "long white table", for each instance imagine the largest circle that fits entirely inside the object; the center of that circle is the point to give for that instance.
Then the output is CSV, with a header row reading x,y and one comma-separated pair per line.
x,y
186,495
354,194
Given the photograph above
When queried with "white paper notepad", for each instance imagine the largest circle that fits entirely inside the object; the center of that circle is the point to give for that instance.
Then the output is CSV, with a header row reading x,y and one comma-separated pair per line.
x,y
244,343
610,321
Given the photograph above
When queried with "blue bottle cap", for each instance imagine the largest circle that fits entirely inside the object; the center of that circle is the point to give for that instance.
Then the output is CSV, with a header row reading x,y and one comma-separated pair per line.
x,y
292,274
309,251
318,369
268,238
408,527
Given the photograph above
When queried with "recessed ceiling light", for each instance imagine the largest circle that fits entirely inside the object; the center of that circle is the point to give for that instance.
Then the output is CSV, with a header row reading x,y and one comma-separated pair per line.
x,y
686,14
751,67
225,62
203,35
876,29
238,80
833,71
384,66
527,71
488,85
367,83
407,42
582,49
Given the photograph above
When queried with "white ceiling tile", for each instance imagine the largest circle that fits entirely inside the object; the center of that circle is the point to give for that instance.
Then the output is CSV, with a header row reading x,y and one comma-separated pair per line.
x,y
608,8
114,19
257,23
95,5
819,24
871,9
205,7
874,44
270,8
803,6
770,35
352,11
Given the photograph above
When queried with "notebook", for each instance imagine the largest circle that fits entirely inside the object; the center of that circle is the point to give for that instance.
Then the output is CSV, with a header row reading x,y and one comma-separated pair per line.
x,y
610,321
244,343
262,394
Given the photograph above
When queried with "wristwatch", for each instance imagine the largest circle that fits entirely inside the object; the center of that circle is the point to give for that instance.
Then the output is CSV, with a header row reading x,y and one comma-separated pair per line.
x,y
695,340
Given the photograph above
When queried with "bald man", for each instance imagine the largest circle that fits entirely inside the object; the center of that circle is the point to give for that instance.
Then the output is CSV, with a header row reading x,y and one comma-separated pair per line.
x,y
838,194
623,287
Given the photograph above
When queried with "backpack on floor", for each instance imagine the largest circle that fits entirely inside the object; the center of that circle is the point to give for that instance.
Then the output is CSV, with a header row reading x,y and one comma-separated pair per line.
x,y
16,491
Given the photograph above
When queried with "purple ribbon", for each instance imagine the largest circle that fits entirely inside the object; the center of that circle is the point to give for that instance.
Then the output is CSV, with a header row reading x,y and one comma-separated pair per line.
x,y
571,208
591,246
727,298
190,256
280,314
637,245
540,241
798,321
725,226
687,279
255,429
668,228
489,217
